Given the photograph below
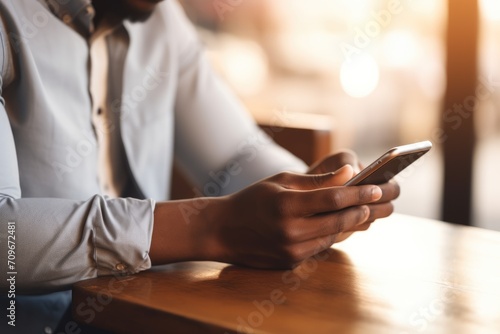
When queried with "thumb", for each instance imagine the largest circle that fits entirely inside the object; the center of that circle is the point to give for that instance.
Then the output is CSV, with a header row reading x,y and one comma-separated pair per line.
x,y
317,181
342,175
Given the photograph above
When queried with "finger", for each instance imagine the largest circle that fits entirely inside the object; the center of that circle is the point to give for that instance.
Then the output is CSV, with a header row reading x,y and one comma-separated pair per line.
x,y
390,191
301,251
314,181
314,246
329,224
361,227
344,235
378,211
312,202
306,249
334,162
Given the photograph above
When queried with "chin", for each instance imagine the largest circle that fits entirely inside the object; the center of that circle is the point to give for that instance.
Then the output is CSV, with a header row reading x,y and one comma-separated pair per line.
x,y
138,16
140,10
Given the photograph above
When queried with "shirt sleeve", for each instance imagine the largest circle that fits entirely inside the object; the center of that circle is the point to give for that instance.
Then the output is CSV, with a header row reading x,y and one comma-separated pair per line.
x,y
218,144
48,244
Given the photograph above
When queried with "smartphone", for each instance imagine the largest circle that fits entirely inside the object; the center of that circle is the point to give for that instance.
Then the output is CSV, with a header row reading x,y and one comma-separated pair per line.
x,y
390,164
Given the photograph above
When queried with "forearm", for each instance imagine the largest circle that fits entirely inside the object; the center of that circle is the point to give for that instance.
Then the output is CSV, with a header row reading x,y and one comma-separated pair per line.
x,y
185,230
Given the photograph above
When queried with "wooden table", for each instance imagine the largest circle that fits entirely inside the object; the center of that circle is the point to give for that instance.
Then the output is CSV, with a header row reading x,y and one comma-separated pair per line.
x,y
404,275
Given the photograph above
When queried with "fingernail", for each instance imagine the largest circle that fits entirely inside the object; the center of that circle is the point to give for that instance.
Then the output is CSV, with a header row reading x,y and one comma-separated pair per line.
x,y
376,193
366,212
342,168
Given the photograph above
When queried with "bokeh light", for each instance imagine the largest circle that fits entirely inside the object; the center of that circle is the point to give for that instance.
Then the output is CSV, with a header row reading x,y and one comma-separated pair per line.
x,y
401,49
490,9
359,76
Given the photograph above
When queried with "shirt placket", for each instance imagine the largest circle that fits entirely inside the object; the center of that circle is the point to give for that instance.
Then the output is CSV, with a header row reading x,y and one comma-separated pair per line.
x,y
99,92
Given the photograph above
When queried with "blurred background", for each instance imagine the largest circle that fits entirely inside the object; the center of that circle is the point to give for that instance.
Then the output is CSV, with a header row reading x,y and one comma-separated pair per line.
x,y
379,69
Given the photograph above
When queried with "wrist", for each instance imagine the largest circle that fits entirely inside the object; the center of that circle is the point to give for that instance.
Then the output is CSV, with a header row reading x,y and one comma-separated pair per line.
x,y
210,234
187,230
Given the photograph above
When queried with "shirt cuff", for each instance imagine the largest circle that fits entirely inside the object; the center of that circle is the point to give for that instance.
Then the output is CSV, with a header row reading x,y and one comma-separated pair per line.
x,y
122,235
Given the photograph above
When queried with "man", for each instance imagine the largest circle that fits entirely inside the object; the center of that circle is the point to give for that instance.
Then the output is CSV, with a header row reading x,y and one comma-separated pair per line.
x,y
98,98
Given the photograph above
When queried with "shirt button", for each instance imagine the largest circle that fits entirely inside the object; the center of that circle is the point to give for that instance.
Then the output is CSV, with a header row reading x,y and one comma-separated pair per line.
x,y
67,18
120,267
47,330
89,10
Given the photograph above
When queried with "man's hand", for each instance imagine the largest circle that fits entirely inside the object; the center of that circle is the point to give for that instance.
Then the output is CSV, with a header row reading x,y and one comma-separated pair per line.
x,y
275,223
335,162
279,222
347,157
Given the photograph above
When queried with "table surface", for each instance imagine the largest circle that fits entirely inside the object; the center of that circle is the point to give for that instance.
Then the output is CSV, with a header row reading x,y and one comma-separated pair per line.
x,y
404,275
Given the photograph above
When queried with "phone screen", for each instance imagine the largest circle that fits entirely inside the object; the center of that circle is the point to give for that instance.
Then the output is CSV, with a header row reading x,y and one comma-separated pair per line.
x,y
390,164
391,168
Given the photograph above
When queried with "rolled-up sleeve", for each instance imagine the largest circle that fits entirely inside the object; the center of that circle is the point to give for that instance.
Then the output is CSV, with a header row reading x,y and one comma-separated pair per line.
x,y
51,243
59,242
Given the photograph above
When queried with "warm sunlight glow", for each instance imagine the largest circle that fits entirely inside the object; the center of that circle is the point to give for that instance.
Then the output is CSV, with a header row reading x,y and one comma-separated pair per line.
x,y
490,9
400,49
428,8
244,65
357,10
359,76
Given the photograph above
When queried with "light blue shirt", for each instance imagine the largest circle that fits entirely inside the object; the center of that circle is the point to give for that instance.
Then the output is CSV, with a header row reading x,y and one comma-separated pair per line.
x,y
167,104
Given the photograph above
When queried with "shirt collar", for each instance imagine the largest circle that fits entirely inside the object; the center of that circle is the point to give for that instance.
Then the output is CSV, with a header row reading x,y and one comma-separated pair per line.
x,y
78,14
